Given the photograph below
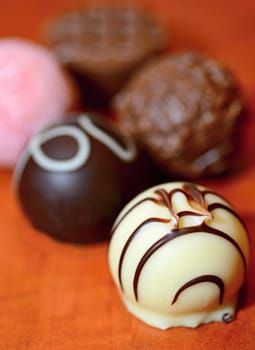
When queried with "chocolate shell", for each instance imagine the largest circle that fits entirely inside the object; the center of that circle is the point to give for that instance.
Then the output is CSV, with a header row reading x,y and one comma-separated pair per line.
x,y
74,178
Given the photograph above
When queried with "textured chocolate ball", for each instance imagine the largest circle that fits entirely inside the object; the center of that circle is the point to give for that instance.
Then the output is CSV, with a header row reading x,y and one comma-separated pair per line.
x,y
184,108
74,178
103,45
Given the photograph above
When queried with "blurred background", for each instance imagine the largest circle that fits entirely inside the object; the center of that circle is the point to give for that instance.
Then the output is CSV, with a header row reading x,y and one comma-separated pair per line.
x,y
202,25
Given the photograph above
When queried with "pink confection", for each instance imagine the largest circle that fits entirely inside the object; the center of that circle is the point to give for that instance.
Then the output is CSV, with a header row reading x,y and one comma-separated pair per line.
x,y
34,93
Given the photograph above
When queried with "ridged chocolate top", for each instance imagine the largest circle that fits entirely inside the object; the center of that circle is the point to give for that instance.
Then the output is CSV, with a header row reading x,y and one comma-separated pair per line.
x,y
105,38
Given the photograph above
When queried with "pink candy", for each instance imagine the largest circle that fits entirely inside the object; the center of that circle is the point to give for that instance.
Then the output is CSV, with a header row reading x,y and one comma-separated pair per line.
x,y
34,93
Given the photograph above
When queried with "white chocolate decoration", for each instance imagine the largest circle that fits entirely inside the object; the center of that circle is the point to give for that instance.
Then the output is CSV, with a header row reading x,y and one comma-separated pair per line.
x,y
66,165
178,255
127,154
81,132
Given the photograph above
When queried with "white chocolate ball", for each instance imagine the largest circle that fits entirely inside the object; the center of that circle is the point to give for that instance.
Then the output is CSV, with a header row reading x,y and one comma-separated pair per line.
x,y
178,255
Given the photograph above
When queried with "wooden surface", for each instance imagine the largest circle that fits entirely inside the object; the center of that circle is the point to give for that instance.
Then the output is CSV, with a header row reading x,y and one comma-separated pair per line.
x,y
61,297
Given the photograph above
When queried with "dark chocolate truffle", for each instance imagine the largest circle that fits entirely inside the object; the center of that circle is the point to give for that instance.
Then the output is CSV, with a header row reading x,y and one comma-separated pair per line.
x,y
184,108
75,177
102,46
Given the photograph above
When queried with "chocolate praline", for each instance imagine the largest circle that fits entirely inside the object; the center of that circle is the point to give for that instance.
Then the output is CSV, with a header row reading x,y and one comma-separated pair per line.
x,y
178,255
185,109
103,45
74,177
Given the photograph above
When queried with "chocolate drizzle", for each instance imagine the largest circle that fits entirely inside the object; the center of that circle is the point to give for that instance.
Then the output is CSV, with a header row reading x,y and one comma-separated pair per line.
x,y
176,233
196,199
142,225
133,207
204,278
214,206
165,199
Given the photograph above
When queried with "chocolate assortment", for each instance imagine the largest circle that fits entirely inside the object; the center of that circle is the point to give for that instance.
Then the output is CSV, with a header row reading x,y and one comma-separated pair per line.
x,y
178,251
74,178
103,46
178,255
185,109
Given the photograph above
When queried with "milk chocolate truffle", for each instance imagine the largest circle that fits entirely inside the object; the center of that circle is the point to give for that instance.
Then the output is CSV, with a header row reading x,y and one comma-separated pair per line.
x,y
184,108
74,178
102,46
178,255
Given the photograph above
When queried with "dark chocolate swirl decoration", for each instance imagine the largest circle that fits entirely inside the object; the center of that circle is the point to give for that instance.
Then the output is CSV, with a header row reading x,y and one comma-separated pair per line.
x,y
199,207
204,278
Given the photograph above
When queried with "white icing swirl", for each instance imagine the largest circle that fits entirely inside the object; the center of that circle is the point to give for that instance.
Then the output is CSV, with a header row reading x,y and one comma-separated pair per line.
x,y
66,165
126,154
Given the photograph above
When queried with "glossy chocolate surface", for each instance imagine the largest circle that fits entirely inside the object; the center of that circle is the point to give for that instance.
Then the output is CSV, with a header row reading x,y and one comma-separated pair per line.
x,y
75,177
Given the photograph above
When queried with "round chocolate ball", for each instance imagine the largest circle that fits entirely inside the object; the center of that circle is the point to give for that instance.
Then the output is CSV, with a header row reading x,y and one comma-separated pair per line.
x,y
184,108
178,255
74,178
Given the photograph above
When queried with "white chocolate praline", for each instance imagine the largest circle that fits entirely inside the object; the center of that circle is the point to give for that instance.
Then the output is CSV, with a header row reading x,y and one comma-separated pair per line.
x,y
178,255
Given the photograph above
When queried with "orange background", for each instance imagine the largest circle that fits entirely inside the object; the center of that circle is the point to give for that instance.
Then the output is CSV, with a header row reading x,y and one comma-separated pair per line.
x,y
61,297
